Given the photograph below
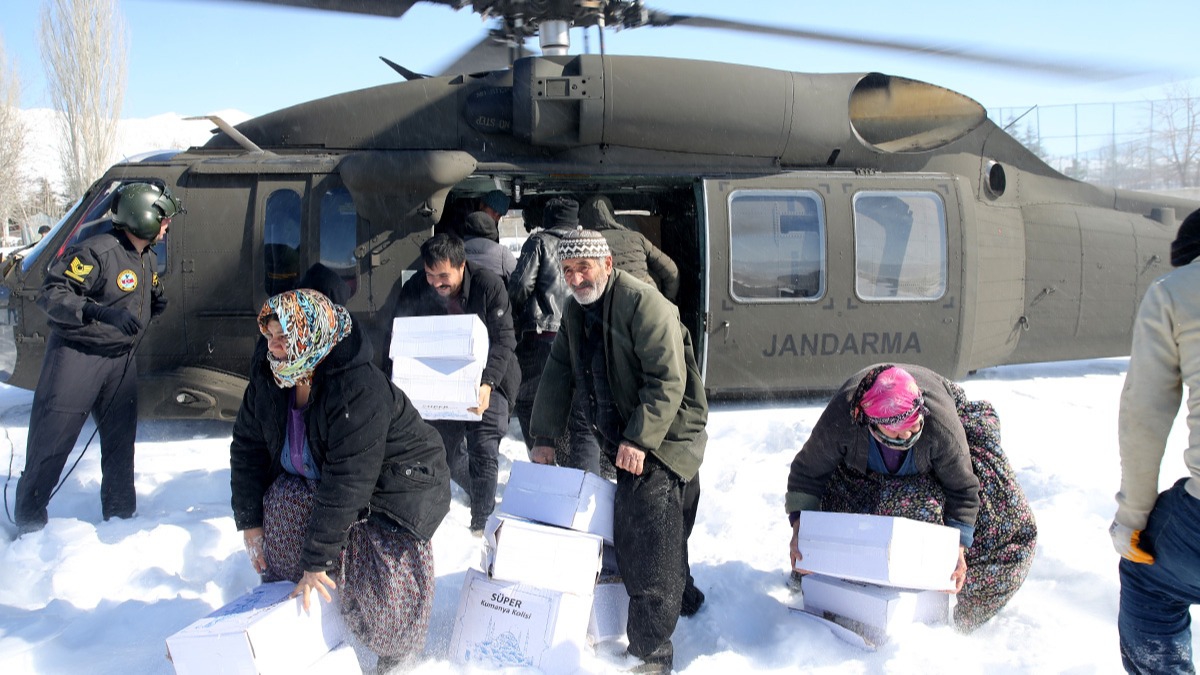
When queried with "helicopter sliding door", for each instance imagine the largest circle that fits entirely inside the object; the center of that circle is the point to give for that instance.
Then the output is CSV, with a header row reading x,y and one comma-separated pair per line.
x,y
812,276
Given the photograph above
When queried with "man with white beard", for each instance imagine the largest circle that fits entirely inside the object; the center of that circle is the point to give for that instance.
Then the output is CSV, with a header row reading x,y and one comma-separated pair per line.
x,y
622,345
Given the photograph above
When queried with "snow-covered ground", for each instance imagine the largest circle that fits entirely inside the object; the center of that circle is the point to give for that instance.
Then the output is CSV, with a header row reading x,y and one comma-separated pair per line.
x,y
88,596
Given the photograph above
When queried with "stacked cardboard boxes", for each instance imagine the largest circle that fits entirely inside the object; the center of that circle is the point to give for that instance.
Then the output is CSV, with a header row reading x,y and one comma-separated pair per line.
x,y
876,574
532,603
438,362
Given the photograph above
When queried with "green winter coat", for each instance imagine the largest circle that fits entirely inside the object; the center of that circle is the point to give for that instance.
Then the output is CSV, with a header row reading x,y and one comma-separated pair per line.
x,y
651,369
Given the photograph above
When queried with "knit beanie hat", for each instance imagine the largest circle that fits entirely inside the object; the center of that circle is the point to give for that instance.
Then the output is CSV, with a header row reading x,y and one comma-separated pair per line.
x,y
1186,246
497,201
560,211
581,243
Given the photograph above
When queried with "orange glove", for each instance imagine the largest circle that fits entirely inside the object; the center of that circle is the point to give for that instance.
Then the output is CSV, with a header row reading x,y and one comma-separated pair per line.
x,y
1126,540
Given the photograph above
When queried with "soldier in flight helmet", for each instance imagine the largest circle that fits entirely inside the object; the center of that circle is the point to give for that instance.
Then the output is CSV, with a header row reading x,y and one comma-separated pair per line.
x,y
99,295
140,209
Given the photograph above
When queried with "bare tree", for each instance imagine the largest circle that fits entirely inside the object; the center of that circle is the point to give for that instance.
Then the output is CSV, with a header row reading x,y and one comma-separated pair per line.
x,y
12,141
1177,128
84,51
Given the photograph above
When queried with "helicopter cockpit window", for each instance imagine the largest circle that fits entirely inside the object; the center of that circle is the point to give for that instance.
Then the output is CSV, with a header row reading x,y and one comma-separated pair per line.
x,y
339,235
777,247
900,245
97,219
281,241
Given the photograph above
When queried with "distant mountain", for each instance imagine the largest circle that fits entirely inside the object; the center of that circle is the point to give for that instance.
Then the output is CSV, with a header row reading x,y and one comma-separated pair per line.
x,y
134,137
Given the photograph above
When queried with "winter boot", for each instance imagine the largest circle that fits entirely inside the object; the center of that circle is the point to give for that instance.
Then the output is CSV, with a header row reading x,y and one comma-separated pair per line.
x,y
693,599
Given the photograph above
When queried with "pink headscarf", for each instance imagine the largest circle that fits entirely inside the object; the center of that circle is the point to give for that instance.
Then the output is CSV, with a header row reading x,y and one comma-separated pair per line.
x,y
894,401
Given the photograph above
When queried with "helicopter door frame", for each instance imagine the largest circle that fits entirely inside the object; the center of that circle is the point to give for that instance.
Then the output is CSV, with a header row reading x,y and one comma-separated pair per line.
x,y
813,276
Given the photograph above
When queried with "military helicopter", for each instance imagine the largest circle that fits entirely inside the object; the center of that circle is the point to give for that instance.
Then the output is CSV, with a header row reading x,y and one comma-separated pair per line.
x,y
821,222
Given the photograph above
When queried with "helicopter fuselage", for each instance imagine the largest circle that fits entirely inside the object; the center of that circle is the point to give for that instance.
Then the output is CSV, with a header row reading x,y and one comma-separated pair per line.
x,y
821,223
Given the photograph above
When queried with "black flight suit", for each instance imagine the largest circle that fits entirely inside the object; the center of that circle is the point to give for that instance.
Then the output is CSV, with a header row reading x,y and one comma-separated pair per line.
x,y
89,367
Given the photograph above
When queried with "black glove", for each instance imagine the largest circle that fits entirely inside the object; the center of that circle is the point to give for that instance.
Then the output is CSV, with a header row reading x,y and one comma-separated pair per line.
x,y
114,316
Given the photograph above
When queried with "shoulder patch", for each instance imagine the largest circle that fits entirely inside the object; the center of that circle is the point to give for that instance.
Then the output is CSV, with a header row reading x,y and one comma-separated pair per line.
x,y
127,280
78,271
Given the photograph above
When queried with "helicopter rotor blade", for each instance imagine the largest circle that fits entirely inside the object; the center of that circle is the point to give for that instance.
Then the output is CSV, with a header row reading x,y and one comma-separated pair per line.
x,y
390,8
1050,66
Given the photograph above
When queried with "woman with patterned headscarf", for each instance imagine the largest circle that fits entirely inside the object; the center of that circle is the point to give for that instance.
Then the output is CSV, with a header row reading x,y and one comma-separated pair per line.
x,y
336,480
901,440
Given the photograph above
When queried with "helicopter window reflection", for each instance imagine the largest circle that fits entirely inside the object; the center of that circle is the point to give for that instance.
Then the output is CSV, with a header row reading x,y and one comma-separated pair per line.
x,y
339,235
281,241
777,247
900,245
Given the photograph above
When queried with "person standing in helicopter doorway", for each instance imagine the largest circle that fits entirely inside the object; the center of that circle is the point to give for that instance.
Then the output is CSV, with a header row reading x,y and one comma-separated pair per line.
x,y
100,295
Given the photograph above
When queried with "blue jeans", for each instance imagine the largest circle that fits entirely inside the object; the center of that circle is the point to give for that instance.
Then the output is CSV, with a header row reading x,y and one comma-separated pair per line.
x,y
1154,621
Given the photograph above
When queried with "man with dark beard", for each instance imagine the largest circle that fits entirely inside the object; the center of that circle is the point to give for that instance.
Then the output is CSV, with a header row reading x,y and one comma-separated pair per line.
x,y
622,345
451,285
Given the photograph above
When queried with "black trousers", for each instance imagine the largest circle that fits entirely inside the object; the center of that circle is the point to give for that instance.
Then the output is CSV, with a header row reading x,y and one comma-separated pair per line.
x,y
73,384
532,354
653,516
475,469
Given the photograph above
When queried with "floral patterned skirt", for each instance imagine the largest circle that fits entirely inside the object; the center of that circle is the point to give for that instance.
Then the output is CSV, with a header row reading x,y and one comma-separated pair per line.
x,y
1005,532
385,575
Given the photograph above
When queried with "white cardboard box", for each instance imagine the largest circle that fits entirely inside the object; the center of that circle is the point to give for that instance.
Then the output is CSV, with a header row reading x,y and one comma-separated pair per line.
x,y
340,661
260,633
610,610
501,624
837,629
549,557
438,362
883,610
882,550
556,495
461,337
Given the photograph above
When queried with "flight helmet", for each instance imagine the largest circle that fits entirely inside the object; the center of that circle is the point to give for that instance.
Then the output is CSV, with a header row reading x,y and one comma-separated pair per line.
x,y
139,208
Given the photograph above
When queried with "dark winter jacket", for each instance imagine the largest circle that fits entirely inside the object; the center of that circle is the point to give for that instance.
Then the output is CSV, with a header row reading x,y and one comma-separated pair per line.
x,y
942,449
536,287
631,250
480,237
484,295
375,454
105,269
651,370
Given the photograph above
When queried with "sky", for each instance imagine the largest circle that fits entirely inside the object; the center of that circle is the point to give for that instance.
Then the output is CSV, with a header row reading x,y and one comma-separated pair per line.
x,y
84,595
194,57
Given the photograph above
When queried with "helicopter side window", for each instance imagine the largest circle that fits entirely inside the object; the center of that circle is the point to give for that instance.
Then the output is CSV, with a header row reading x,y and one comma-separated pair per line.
x,y
97,219
900,245
339,235
281,241
777,245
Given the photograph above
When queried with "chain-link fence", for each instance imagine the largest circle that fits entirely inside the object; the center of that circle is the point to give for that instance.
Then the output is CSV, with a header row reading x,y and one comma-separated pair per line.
x,y
1149,145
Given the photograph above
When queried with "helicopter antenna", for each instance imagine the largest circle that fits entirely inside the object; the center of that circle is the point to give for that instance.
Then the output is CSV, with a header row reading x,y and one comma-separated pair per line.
x,y
1018,117
230,131
404,72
